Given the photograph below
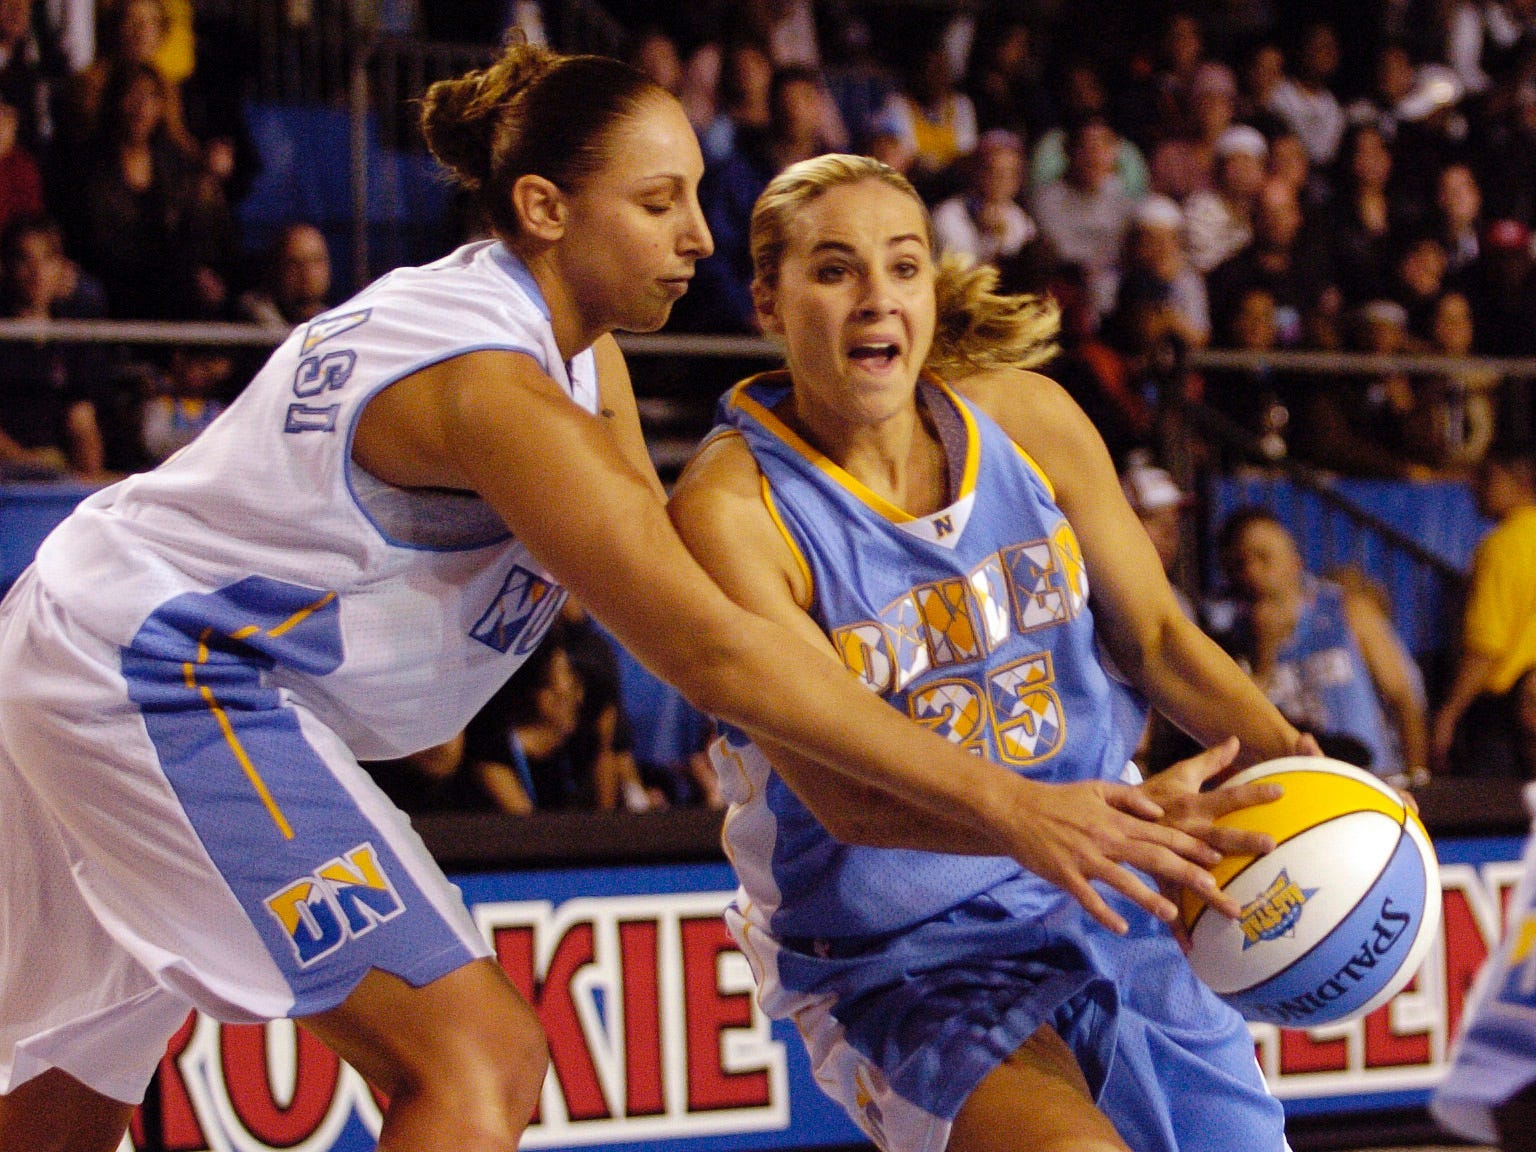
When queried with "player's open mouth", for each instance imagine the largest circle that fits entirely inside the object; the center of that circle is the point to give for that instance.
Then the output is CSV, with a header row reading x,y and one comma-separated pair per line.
x,y
879,354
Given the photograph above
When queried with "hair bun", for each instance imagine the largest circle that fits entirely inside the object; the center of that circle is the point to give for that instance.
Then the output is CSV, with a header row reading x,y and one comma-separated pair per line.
x,y
460,117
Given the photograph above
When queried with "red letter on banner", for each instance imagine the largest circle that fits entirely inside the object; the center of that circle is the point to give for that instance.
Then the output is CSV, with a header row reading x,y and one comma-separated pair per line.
x,y
551,999
178,1120
642,1018
317,1073
708,1014
1465,951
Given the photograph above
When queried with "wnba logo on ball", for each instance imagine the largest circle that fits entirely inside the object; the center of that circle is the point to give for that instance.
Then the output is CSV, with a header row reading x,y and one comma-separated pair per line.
x,y
1275,912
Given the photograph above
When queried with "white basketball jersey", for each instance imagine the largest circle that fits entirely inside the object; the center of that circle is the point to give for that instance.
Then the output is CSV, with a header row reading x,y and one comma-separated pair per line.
x,y
430,603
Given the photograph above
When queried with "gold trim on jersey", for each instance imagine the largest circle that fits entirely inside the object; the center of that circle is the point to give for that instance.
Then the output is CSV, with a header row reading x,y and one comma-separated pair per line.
x,y
834,471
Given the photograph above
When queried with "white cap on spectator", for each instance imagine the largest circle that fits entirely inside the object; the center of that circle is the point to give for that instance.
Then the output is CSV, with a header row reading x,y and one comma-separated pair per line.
x,y
1159,212
1149,488
1435,86
1242,140
1385,312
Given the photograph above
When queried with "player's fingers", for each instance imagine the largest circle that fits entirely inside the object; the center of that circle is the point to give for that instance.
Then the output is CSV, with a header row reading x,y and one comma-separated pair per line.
x,y
1169,868
1308,745
1200,768
1132,801
1178,841
1095,905
1132,886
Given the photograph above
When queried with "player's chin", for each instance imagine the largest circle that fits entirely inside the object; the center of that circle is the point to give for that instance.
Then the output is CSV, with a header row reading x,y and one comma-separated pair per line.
x,y
652,320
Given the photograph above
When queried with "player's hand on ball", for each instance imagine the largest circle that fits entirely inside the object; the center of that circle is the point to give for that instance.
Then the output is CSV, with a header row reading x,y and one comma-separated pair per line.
x,y
1177,791
1072,834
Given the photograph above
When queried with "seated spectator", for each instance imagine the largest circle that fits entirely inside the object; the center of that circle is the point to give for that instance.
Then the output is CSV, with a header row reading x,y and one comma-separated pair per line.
x,y
1456,408
296,280
144,226
986,222
1392,81
183,401
432,780
1458,219
1094,373
1365,215
1305,99
21,183
133,32
1086,214
745,102
721,299
1186,163
514,748
1289,163
1156,274
1086,99
1362,425
32,75
1007,82
932,117
1296,275
1523,697
1417,281
1256,399
48,419
1218,222
1328,659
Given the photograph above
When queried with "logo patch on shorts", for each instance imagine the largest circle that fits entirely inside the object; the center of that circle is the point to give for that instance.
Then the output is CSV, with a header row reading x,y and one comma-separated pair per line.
x,y
1274,912
346,897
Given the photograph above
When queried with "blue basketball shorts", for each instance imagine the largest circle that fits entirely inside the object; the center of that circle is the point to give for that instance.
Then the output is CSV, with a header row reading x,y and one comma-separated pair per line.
x,y
168,849
900,1030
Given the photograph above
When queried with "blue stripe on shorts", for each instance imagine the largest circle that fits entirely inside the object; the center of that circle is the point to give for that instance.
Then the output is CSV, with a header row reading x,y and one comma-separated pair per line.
x,y
315,876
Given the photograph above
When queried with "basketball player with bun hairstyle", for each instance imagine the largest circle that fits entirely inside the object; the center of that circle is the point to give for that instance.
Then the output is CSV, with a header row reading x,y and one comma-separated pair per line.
x,y
347,564
949,527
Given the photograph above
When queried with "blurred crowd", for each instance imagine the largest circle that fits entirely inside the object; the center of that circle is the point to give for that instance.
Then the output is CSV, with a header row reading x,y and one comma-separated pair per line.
x,y
1258,175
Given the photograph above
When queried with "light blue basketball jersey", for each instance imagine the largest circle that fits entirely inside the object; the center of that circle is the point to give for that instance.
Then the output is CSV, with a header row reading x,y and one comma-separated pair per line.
x,y
1320,680
973,620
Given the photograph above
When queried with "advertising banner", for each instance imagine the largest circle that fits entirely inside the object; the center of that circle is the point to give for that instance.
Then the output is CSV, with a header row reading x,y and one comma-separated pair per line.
x,y
657,1043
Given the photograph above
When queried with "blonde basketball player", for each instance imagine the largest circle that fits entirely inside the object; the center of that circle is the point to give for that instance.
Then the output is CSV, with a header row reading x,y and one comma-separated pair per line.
x,y
347,564
953,528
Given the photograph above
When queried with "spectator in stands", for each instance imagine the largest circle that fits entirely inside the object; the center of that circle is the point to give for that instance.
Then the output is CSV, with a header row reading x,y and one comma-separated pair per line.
x,y
1218,222
1363,425
1418,280
144,225
1473,728
48,419
1186,163
1502,289
722,300
1256,399
932,117
1457,407
1086,214
1085,100
986,222
1329,659
30,76
1007,82
1296,276
514,748
1155,102
1458,219
1523,696
1365,214
185,399
745,100
1305,99
1093,372
296,280
133,33
1262,73
1288,162
1392,81
21,183
1156,274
